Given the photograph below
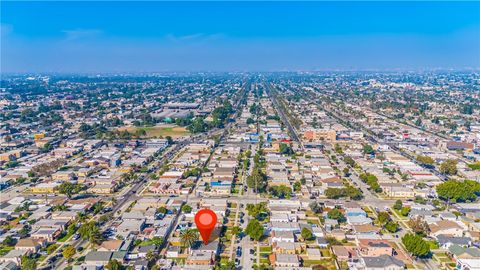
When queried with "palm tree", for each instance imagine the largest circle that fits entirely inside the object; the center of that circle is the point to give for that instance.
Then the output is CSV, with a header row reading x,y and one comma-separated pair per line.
x,y
151,256
188,237
81,217
95,237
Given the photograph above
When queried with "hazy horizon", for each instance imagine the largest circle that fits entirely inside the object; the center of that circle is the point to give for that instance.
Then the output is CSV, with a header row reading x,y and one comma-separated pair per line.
x,y
149,37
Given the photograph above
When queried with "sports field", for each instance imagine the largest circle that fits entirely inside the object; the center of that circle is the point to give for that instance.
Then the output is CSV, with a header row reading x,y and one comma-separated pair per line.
x,y
159,131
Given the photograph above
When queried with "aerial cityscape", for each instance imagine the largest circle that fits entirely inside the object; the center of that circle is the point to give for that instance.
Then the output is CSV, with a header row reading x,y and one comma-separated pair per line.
x,y
268,161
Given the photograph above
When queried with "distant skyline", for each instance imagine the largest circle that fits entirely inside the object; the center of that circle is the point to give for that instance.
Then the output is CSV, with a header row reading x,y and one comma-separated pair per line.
x,y
238,36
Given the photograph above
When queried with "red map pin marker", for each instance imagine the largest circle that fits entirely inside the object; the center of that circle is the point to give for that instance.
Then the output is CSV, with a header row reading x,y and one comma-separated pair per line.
x,y
205,220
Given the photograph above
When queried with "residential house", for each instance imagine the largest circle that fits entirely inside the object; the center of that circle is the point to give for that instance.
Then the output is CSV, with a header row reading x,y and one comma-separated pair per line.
x,y
374,247
30,244
446,241
446,227
284,260
383,262
465,258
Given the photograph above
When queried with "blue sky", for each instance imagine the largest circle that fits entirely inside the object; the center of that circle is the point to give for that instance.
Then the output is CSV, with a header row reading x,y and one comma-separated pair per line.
x,y
237,36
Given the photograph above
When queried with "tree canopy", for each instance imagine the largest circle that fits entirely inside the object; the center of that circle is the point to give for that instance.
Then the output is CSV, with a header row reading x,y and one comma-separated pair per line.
x,y
113,265
257,180
372,181
68,252
416,245
282,191
458,191
28,263
69,188
368,149
383,217
255,209
286,149
187,208
306,234
254,229
392,226
398,205
337,215
449,167
419,226
91,232
348,191
425,160
188,237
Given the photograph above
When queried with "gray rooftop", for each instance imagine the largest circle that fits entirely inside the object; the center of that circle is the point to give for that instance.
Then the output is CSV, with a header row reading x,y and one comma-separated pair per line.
x,y
98,256
382,261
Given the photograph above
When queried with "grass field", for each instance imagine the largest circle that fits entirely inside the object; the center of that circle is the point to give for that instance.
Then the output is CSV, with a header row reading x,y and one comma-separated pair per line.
x,y
159,131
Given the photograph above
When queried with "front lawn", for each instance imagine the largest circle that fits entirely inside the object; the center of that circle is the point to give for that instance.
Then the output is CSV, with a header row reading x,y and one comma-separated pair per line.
x,y
327,263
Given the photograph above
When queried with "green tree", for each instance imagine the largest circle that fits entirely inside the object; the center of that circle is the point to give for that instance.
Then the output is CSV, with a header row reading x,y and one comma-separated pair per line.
x,y
257,180
338,149
91,232
416,245
256,209
157,241
9,241
297,186
69,189
192,172
151,256
52,248
282,191
188,237
95,236
286,149
254,230
28,263
68,252
162,210
348,191
306,234
405,211
113,265
383,217
398,205
97,207
466,109
371,180
457,191
353,193
197,126
425,160
350,161
449,167
392,226
236,230
230,265
337,215
367,149
335,193
187,208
